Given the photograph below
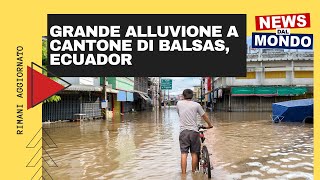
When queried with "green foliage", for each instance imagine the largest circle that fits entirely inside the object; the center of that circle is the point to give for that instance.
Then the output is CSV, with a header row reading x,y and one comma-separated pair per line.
x,y
44,54
54,98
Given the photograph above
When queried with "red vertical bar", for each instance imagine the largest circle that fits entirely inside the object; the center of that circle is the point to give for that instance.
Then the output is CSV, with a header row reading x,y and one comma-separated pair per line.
x,y
257,23
308,20
209,84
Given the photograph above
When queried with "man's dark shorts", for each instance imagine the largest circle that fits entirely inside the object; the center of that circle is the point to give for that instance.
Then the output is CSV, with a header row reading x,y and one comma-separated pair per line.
x,y
189,140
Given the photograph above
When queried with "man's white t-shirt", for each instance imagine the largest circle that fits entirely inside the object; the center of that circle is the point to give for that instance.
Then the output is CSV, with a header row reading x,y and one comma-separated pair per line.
x,y
188,111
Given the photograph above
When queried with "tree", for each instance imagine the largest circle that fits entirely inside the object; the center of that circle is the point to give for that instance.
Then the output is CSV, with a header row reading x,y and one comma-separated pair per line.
x,y
54,98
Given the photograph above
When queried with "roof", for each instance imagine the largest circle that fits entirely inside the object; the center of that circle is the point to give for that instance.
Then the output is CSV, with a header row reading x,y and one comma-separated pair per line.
x,y
144,95
140,92
284,56
84,88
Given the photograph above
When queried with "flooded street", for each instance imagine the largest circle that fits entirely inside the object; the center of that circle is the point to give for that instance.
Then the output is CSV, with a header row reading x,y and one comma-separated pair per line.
x,y
145,145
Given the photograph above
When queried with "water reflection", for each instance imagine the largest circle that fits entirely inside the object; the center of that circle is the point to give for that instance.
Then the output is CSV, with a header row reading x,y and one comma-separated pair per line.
x,y
145,146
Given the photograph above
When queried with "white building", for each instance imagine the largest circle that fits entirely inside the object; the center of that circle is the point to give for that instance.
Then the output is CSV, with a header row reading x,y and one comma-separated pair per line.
x,y
276,69
271,76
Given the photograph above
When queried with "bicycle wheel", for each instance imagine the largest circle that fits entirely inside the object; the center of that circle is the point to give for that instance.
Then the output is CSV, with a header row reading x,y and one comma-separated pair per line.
x,y
206,164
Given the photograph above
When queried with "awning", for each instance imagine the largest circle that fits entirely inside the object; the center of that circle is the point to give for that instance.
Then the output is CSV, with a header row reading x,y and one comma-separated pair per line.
x,y
109,90
90,88
268,91
143,95
285,91
140,92
84,88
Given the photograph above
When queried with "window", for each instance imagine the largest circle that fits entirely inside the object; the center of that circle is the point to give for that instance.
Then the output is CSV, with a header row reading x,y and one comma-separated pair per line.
x,y
250,75
303,74
275,74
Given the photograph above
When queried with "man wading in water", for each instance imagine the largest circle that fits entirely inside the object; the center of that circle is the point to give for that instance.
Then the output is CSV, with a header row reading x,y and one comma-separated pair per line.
x,y
189,135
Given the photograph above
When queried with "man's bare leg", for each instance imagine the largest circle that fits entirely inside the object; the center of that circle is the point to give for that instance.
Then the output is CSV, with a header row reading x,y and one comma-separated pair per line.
x,y
184,162
194,161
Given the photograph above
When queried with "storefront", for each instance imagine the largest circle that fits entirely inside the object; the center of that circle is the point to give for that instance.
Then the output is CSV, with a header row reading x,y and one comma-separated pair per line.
x,y
77,99
257,98
141,101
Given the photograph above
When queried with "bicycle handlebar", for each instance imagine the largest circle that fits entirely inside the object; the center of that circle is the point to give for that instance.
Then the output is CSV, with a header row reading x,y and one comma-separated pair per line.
x,y
203,127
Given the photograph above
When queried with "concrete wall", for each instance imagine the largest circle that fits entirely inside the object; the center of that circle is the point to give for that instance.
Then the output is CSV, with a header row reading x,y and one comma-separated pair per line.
x,y
260,68
121,83
141,84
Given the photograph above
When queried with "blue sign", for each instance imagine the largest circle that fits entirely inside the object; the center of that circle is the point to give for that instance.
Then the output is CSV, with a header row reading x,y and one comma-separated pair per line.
x,y
121,96
292,41
130,96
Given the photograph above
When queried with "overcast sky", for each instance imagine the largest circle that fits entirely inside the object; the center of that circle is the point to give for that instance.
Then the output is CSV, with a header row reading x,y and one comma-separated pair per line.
x,y
181,83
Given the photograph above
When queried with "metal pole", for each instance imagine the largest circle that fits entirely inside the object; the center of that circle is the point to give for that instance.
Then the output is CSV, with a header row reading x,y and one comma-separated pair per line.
x,y
229,108
164,99
212,93
154,94
159,93
201,91
104,94
169,103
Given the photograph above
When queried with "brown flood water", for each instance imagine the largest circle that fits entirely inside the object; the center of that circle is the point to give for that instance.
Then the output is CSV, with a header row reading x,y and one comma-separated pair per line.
x,y
145,145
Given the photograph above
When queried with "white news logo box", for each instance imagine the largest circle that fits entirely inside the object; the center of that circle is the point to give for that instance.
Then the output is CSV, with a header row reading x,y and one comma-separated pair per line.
x,y
283,31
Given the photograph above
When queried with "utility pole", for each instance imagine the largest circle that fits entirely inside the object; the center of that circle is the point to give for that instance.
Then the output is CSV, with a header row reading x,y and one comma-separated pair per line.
x,y
164,99
201,91
169,102
154,93
104,97
159,93
212,94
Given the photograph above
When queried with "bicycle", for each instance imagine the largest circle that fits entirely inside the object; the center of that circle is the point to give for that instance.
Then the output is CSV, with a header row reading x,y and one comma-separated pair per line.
x,y
204,164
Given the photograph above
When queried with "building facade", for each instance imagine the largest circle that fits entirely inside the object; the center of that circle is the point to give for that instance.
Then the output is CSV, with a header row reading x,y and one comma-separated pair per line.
x,y
82,97
85,97
122,101
272,76
196,93
154,91
142,101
